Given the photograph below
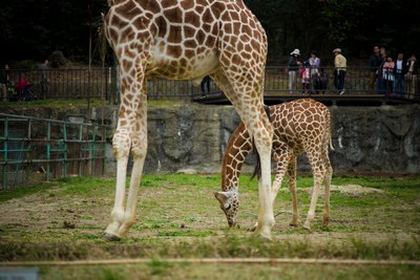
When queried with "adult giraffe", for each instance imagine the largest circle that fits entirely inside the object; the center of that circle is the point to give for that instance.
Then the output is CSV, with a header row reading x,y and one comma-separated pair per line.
x,y
185,40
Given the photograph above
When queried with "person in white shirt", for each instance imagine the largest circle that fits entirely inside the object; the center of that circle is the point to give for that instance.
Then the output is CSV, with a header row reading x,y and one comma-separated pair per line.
x,y
411,76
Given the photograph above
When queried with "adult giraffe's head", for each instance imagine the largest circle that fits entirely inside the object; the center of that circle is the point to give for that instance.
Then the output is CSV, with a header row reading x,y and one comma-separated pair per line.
x,y
229,203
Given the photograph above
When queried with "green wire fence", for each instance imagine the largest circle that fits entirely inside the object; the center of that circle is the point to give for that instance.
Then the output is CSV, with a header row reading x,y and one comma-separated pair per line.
x,y
36,149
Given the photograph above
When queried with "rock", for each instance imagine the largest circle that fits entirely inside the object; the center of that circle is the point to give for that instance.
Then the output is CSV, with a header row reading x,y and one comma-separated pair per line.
x,y
69,225
189,171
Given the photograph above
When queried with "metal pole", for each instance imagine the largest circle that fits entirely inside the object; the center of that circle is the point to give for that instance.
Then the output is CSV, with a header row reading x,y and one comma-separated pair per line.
x,y
90,52
80,150
65,149
5,156
48,150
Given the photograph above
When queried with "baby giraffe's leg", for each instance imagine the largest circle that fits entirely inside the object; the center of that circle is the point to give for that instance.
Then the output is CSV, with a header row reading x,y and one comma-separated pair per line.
x,y
291,171
318,170
327,184
282,157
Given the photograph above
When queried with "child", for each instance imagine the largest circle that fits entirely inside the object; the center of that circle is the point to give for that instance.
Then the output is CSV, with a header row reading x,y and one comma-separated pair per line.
x,y
305,75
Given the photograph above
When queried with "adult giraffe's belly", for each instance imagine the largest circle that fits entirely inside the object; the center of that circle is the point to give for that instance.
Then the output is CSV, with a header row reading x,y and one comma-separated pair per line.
x,y
181,64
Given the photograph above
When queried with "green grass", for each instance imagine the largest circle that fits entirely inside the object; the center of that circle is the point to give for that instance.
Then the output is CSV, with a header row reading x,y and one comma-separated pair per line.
x,y
55,103
82,103
161,270
179,217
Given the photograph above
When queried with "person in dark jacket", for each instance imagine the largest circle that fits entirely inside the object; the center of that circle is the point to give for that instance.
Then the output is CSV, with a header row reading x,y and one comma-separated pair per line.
x,y
400,69
4,82
380,82
205,84
293,68
374,62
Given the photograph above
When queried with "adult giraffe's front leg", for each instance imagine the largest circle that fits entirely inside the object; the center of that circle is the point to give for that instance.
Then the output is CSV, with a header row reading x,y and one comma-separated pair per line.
x,y
131,134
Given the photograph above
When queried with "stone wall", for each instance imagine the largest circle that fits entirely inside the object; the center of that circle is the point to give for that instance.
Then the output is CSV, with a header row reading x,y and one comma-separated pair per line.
x,y
192,137
382,139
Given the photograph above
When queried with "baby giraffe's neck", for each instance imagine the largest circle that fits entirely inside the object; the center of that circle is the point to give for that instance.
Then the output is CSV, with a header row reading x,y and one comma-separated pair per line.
x,y
238,147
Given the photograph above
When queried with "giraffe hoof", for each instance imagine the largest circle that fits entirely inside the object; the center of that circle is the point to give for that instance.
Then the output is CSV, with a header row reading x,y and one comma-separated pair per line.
x,y
111,237
252,229
307,226
293,224
265,235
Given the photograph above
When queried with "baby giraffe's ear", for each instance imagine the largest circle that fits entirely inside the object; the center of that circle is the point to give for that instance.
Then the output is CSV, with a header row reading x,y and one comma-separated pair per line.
x,y
222,197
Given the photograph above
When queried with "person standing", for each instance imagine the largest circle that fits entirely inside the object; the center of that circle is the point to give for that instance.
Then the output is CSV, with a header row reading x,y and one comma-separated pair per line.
x,y
374,62
388,75
305,75
4,81
293,68
314,63
340,69
43,69
205,84
399,72
380,82
411,76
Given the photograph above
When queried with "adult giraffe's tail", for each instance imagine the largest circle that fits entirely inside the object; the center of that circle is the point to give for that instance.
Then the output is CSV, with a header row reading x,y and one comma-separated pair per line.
x,y
257,170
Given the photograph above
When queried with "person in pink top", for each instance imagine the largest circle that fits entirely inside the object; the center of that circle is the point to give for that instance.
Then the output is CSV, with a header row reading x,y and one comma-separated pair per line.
x,y
305,75
388,74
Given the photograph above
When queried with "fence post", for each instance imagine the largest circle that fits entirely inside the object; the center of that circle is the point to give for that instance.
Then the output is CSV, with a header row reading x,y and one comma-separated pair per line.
x,y
48,150
81,148
103,150
65,149
5,151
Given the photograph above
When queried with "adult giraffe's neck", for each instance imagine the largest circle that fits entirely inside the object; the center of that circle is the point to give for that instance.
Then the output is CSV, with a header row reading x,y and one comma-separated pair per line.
x,y
238,147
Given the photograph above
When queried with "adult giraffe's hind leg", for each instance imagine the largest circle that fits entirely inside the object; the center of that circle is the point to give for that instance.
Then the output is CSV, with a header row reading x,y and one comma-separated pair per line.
x,y
256,121
131,133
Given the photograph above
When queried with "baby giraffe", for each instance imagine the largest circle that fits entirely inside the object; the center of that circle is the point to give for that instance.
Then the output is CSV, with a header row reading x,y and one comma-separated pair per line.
x,y
300,126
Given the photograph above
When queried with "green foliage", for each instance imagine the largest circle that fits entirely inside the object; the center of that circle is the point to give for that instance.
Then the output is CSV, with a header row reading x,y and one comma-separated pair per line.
x,y
34,29
353,25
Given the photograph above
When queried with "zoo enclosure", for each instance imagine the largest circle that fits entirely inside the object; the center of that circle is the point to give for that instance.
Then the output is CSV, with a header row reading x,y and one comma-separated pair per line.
x,y
36,149
103,83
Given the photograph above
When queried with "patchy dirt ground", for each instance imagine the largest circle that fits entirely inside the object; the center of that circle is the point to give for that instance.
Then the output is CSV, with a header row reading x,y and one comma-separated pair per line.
x,y
372,218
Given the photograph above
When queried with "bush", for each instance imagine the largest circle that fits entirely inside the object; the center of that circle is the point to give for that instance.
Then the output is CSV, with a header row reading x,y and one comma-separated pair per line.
x,y
57,59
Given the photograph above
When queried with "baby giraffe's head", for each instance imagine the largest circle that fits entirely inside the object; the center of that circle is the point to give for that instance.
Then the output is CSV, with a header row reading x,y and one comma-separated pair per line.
x,y
229,203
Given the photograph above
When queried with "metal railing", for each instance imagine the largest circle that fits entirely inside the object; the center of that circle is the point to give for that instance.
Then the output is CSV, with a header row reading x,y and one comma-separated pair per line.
x,y
357,81
103,83
62,83
35,149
